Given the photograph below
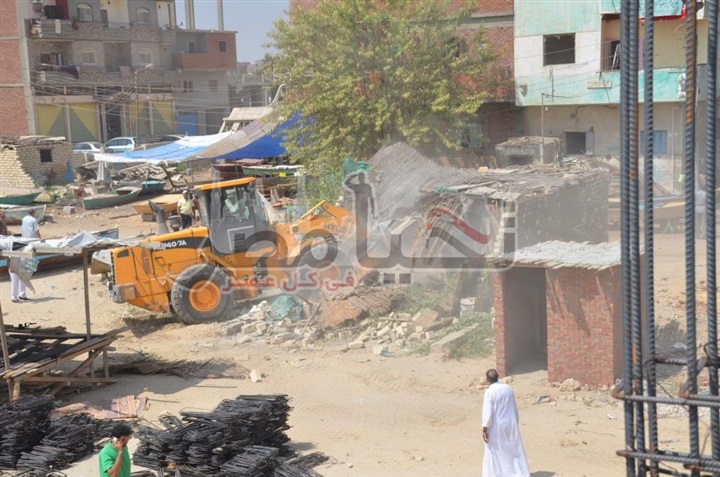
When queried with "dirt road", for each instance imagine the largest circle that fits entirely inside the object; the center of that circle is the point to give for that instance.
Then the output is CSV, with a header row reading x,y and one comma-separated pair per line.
x,y
399,416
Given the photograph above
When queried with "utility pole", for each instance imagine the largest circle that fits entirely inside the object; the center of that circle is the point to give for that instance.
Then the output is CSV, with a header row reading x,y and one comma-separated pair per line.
x,y
137,103
542,128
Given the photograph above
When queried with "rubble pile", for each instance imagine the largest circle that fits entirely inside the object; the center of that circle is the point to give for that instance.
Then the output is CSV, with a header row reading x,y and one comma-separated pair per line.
x,y
31,440
264,323
240,437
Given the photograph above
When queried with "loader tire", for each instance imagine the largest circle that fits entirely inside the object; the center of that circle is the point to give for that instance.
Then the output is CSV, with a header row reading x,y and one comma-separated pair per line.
x,y
200,293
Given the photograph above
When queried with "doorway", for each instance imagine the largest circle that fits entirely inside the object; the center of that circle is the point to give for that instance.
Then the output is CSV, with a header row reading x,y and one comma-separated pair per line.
x,y
525,320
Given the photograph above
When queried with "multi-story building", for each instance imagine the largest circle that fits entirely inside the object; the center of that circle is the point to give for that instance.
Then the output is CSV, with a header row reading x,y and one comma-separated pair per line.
x,y
97,69
204,59
567,75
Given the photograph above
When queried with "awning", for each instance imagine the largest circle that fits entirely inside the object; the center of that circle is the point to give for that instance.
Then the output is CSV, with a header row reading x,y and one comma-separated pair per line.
x,y
185,149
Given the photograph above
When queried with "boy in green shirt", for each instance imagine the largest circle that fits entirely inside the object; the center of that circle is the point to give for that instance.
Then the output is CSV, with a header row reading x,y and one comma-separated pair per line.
x,y
114,457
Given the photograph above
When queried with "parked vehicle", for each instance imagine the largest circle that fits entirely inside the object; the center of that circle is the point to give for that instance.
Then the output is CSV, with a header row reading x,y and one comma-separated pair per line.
x,y
121,144
87,147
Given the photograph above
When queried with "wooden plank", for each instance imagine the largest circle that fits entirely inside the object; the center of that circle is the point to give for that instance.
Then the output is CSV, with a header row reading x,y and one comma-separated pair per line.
x,y
66,379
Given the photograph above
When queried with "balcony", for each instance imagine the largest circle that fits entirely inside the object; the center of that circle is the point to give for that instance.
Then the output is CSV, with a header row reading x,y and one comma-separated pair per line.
x,y
99,76
96,31
204,61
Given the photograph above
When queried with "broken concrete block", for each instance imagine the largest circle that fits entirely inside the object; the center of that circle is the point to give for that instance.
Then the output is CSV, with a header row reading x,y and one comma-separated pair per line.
x,y
231,327
249,328
400,343
429,335
384,331
415,336
451,341
419,329
380,350
345,334
261,327
69,210
255,377
357,345
570,385
467,306
243,339
427,318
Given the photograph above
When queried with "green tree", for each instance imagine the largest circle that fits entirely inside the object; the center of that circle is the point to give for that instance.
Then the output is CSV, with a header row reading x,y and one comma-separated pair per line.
x,y
363,73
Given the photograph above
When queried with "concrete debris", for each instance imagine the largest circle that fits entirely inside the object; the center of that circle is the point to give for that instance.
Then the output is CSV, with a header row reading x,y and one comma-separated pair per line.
x,y
255,376
570,385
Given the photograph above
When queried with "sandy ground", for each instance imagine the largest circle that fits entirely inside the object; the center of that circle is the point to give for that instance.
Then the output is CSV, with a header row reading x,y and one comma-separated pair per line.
x,y
406,415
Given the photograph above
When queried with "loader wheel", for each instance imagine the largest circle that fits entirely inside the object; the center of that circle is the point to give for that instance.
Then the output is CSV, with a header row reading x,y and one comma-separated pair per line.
x,y
200,294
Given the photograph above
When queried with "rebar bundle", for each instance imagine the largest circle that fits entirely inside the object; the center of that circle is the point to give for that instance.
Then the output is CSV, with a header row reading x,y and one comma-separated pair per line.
x,y
23,423
240,437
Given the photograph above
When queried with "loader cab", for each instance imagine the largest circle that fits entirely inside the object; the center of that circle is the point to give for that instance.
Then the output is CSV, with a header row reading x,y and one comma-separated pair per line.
x,y
233,214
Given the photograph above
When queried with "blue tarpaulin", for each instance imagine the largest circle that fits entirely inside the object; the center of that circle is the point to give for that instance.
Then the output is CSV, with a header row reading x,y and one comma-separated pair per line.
x,y
267,146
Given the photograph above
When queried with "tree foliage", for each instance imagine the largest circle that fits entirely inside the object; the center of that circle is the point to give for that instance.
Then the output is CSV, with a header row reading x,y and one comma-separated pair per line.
x,y
362,73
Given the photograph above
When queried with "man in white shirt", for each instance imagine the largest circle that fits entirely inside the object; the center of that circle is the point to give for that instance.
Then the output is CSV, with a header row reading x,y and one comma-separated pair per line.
x,y
30,229
504,451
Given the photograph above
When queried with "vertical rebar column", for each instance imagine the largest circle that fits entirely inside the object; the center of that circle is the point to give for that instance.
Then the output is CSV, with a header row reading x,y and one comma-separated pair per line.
x,y
628,83
634,229
689,167
650,228
711,171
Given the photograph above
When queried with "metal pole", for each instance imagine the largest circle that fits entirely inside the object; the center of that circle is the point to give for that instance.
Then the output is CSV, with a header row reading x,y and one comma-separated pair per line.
x,y
86,293
653,430
711,242
542,128
3,340
689,163
137,108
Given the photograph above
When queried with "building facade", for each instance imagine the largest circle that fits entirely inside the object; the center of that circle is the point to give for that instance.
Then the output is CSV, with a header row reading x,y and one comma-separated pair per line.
x,y
91,70
567,76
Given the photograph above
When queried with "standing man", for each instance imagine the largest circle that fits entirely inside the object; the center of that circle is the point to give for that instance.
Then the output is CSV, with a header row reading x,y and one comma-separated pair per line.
x,y
30,229
504,451
114,457
186,209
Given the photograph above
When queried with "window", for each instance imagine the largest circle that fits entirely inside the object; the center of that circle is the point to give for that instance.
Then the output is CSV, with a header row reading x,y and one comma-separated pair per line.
x,y
84,12
187,86
457,47
88,56
611,55
45,155
213,85
142,16
145,56
580,142
660,142
559,49
222,46
191,47
52,59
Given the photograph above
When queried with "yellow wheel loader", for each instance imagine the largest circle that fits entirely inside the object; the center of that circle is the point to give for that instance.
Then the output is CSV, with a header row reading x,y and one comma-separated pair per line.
x,y
198,273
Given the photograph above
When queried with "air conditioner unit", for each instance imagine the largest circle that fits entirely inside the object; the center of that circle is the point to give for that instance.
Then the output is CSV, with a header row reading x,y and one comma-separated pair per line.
x,y
39,2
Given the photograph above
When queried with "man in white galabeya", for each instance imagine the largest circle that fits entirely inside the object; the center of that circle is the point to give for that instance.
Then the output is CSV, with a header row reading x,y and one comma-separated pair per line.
x,y
504,451
30,229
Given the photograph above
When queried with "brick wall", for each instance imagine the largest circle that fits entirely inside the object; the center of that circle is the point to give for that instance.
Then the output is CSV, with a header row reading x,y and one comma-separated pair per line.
x,y
13,111
582,316
20,166
584,325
